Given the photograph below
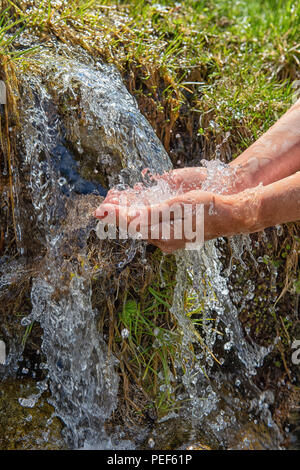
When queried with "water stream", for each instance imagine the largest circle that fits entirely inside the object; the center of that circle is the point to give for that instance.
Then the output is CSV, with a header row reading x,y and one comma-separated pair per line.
x,y
80,372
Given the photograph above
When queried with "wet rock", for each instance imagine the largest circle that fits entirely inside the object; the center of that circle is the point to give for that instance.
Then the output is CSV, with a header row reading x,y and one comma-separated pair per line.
x,y
178,433
98,119
254,436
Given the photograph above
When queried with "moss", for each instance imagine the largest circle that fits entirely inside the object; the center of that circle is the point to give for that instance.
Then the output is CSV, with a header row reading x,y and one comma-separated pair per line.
x,y
24,428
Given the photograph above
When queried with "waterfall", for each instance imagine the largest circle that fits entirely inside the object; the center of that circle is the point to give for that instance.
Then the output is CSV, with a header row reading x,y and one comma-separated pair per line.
x,y
212,388
80,369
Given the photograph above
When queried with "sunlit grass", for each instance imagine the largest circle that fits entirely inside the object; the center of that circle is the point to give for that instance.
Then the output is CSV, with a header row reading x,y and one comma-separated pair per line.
x,y
230,65
10,29
148,343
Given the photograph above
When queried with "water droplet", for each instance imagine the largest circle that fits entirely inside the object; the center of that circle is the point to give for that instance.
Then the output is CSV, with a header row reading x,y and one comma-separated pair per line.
x,y
151,443
26,321
62,181
125,333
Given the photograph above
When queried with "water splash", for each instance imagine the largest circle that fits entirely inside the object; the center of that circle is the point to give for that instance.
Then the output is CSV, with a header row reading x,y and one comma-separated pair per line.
x,y
212,401
221,178
81,372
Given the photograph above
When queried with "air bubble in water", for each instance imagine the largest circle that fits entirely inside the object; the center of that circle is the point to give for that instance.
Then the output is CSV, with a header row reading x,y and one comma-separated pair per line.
x,y
62,181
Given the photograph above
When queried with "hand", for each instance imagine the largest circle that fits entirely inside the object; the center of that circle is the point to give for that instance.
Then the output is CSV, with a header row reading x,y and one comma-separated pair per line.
x,y
223,216
180,180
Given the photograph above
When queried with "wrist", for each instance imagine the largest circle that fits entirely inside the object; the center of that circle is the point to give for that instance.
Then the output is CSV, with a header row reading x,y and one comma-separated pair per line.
x,y
246,209
224,216
244,177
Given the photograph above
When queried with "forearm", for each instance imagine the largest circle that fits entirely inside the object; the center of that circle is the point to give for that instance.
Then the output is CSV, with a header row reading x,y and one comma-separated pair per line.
x,y
279,203
252,210
248,211
275,155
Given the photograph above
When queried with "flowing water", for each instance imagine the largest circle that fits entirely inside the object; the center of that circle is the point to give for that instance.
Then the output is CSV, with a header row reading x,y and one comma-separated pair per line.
x,y
81,132
212,384
80,373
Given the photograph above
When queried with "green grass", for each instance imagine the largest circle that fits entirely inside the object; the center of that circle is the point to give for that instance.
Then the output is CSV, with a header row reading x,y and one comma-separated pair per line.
x,y
151,342
151,345
234,61
10,29
228,65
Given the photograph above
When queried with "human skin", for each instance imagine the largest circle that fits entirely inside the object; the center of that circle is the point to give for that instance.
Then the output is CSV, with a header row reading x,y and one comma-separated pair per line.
x,y
269,166
246,212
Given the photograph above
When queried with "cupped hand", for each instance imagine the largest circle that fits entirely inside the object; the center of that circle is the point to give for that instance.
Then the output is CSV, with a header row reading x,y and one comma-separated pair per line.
x,y
180,180
172,224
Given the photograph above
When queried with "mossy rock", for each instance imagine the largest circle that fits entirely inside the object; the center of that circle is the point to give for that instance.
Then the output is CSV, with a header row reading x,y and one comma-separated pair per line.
x,y
25,428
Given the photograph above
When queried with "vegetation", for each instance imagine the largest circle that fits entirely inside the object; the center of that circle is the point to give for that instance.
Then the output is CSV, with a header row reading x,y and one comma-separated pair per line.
x,y
210,76
180,60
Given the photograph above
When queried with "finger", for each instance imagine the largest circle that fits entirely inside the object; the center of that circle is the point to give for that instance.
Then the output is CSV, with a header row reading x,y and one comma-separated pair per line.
x,y
104,210
116,215
167,247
